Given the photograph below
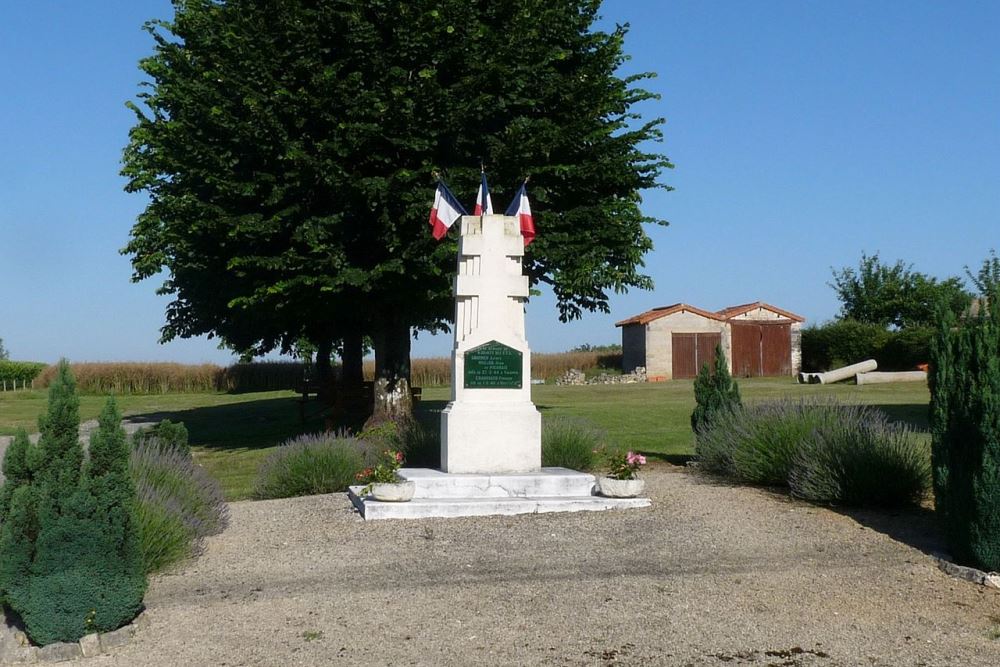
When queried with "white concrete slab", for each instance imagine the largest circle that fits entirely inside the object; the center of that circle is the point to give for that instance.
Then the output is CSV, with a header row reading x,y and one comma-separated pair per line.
x,y
442,494
425,508
547,482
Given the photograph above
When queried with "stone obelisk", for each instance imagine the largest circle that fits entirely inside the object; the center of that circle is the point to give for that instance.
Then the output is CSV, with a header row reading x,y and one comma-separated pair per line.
x,y
490,425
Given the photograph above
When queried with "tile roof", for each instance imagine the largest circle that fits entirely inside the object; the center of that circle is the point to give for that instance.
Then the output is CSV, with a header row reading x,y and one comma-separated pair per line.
x,y
663,311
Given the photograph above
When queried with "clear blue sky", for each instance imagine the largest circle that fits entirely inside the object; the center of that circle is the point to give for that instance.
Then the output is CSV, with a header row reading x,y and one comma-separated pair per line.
x,y
803,132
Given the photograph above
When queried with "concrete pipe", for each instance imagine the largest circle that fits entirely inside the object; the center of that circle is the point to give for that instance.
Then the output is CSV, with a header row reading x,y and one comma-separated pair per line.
x,y
846,372
885,376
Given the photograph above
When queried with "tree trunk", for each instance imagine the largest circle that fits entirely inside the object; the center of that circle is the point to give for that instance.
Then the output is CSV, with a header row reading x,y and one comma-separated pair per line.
x,y
353,401
324,371
392,372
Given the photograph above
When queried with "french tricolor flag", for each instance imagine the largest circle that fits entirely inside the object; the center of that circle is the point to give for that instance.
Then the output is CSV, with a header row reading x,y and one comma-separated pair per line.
x,y
445,211
484,204
522,209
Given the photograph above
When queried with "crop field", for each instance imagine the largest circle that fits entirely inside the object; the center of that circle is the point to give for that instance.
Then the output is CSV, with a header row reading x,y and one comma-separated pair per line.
x,y
232,433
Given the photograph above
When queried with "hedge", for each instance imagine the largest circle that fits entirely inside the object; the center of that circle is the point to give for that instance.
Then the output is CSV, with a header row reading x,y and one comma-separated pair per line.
x,y
844,342
20,371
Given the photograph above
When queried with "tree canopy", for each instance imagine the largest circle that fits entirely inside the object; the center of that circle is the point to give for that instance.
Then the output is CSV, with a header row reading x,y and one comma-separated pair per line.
x,y
288,148
3,351
895,295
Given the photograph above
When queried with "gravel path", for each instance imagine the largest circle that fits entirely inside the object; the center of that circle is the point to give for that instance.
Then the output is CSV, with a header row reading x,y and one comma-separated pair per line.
x,y
710,575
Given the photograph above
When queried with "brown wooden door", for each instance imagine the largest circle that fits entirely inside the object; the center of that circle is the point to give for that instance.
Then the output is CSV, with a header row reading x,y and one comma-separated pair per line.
x,y
762,349
746,349
684,355
776,349
707,343
690,350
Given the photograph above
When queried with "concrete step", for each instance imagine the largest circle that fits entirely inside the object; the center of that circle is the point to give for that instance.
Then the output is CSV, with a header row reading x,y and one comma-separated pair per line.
x,y
424,508
546,483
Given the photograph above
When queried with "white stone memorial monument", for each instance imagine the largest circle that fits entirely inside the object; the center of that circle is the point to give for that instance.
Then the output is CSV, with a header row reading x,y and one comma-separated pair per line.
x,y
491,425
491,454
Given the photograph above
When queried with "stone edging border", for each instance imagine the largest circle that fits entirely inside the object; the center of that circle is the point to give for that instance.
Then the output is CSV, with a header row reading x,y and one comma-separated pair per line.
x,y
15,649
989,579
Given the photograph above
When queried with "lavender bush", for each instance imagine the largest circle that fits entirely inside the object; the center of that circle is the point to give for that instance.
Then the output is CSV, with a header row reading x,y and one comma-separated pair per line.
x,y
179,504
312,464
824,451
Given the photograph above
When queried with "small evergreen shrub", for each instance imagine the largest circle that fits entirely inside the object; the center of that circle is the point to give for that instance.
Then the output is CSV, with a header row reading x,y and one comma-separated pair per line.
x,y
164,434
715,392
861,459
312,464
570,443
178,504
965,429
70,562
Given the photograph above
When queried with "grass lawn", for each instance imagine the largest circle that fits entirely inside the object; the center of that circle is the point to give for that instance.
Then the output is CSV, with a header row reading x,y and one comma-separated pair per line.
x,y
232,433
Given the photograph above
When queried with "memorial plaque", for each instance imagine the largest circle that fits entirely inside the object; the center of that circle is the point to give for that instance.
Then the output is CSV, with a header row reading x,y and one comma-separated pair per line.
x,y
493,365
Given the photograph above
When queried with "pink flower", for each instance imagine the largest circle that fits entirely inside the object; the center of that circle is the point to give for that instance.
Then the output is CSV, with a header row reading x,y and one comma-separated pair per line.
x,y
635,459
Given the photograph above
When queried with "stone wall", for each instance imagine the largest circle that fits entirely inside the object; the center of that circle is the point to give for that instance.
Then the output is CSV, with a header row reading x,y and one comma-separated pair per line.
x,y
575,376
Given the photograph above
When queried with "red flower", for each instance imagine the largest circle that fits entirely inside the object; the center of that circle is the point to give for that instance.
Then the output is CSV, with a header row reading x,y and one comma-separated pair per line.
x,y
399,457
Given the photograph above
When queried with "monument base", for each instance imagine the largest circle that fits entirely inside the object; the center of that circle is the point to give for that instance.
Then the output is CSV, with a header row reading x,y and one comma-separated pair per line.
x,y
441,494
491,438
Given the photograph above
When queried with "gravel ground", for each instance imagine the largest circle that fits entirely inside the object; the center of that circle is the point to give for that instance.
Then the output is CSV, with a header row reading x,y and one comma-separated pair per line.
x,y
710,575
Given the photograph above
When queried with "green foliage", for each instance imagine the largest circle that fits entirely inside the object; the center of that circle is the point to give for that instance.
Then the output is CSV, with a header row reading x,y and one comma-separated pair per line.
x,y
179,504
59,454
826,452
166,434
715,391
421,443
571,443
288,158
861,460
22,372
69,553
15,470
896,295
311,464
845,342
385,470
965,428
4,355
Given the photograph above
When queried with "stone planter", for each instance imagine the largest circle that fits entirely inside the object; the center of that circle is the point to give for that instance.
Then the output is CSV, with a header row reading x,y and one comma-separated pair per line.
x,y
395,492
620,488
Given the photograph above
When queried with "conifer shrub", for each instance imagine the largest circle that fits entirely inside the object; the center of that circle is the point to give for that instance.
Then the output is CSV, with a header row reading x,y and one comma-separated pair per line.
x,y
70,562
571,443
164,434
178,503
965,432
312,464
715,392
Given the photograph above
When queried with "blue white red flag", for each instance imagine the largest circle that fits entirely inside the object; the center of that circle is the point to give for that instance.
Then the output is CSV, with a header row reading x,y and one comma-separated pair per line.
x,y
484,204
445,210
522,209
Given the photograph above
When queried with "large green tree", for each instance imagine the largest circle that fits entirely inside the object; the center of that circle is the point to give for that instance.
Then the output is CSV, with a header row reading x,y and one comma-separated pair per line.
x,y
895,295
287,148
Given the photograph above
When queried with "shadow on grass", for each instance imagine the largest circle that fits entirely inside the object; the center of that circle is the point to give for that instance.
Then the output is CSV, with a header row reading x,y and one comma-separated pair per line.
x,y
260,424
247,425
912,414
673,459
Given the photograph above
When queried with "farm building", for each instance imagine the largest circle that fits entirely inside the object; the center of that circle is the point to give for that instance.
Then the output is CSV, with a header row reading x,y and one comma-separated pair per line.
x,y
759,340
